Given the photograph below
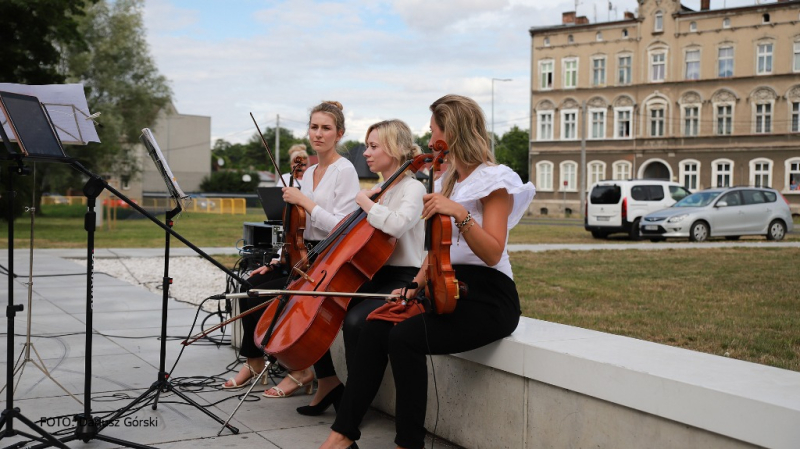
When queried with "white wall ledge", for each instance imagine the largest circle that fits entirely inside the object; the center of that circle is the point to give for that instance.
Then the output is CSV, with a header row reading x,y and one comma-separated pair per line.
x,y
753,403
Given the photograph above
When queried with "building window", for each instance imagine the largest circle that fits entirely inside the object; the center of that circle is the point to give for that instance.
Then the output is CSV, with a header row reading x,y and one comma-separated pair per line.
x,y
624,32
657,122
597,172
691,120
624,70
693,26
724,120
544,175
547,42
622,170
795,117
569,124
598,123
622,123
725,62
545,120
570,39
690,173
658,65
570,73
765,18
569,170
545,75
599,36
763,118
726,23
599,71
658,25
764,61
793,175
796,65
761,171
722,172
692,65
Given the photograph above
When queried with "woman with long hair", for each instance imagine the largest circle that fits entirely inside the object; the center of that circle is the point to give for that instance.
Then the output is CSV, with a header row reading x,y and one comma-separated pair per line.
x,y
327,193
484,200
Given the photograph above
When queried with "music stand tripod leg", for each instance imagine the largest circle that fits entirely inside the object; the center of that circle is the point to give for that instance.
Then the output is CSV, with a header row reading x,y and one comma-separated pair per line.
x,y
10,412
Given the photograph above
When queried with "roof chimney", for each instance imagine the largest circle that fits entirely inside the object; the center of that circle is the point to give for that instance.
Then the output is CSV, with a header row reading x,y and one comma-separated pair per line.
x,y
629,15
705,5
568,17
581,20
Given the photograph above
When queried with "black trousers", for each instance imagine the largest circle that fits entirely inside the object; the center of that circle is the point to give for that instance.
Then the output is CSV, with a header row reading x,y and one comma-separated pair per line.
x,y
490,312
385,280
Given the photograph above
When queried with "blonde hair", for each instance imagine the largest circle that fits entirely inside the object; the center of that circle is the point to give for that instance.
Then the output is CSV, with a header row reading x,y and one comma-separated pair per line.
x,y
332,108
464,127
396,139
298,149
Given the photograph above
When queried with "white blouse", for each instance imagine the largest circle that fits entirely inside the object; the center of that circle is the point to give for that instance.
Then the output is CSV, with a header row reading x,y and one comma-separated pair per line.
x,y
335,197
398,214
484,180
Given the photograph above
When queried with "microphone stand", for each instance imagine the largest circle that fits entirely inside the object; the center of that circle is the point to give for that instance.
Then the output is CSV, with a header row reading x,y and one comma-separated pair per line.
x,y
162,383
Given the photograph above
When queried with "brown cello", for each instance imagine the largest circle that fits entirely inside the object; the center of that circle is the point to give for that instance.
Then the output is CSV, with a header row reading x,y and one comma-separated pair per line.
x,y
297,330
441,285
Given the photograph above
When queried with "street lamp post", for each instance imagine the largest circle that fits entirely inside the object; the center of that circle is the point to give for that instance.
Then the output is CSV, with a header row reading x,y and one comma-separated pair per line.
x,y
493,80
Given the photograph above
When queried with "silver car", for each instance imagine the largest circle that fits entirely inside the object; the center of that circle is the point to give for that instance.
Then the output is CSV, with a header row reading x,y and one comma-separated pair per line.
x,y
724,212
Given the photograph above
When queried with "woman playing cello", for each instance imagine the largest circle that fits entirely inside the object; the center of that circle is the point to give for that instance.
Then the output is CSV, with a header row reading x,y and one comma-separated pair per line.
x,y
327,195
485,201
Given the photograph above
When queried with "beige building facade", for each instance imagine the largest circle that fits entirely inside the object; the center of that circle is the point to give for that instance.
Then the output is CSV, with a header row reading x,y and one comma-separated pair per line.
x,y
705,98
185,141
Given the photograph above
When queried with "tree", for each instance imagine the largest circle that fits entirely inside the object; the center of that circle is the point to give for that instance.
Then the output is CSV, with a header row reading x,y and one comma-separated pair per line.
x,y
230,181
32,38
33,35
121,81
422,141
512,150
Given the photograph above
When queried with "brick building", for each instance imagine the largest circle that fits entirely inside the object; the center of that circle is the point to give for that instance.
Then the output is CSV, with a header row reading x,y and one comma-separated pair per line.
x,y
706,98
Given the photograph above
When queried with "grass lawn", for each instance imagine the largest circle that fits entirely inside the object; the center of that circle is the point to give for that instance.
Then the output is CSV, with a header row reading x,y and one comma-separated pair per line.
x,y
743,303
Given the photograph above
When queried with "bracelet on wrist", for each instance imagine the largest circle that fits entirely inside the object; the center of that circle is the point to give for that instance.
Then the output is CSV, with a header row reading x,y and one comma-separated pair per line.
x,y
464,222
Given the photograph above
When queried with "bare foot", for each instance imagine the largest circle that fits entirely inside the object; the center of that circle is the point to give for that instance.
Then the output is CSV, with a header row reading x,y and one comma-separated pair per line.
x,y
289,385
249,369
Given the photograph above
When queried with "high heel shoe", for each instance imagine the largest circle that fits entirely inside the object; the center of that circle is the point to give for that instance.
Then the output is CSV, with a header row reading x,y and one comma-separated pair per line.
x,y
309,387
333,397
253,375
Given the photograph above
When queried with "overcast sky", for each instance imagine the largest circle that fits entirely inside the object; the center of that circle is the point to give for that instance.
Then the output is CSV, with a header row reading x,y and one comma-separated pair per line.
x,y
381,59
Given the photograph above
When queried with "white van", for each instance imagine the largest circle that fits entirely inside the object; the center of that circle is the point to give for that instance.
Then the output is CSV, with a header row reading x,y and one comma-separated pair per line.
x,y
617,206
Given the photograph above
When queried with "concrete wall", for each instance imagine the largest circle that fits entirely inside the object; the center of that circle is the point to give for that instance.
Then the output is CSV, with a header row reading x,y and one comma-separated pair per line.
x,y
555,386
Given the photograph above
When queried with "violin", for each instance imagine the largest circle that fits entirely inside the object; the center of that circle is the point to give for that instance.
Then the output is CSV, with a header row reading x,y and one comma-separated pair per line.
x,y
441,286
294,226
294,251
298,329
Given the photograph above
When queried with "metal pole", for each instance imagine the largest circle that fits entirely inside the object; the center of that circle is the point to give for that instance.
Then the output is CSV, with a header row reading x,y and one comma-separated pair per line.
x,y
277,145
582,192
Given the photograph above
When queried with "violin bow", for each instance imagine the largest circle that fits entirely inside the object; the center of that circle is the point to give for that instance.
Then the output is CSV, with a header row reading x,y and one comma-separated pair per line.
x,y
269,153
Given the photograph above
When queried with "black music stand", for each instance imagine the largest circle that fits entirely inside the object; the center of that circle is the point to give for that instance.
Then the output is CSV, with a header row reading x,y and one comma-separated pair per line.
x,y
37,139
163,383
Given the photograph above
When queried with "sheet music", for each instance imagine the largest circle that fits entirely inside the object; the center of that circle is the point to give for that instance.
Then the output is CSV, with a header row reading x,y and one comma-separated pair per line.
x,y
67,106
161,164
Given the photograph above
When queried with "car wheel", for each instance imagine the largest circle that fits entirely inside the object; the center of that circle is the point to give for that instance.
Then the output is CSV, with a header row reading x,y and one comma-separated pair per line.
x,y
599,234
635,233
776,230
698,232
732,237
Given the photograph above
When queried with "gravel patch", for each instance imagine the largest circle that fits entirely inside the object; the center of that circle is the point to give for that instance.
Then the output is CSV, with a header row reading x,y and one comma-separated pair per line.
x,y
193,278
